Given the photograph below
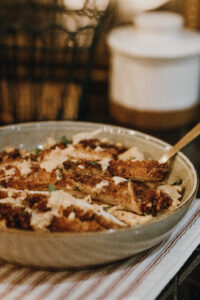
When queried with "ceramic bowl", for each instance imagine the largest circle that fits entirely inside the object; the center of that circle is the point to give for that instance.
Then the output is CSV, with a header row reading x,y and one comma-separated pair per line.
x,y
80,250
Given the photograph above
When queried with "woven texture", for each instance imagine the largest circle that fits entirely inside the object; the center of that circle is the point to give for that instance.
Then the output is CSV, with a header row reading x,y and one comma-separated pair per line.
x,y
46,52
192,14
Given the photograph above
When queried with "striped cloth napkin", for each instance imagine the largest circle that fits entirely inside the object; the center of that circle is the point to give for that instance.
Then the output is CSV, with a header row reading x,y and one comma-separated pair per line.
x,y
142,276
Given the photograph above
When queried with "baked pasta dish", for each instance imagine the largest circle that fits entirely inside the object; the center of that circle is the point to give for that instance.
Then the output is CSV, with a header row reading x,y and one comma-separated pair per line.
x,y
83,184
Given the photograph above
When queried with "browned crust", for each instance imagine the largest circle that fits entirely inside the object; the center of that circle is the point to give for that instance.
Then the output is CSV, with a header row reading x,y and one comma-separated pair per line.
x,y
151,201
15,217
81,178
150,170
37,201
84,221
88,146
112,149
18,217
81,184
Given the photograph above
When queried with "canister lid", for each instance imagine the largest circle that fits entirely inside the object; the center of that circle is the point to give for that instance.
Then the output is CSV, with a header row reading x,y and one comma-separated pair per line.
x,y
155,35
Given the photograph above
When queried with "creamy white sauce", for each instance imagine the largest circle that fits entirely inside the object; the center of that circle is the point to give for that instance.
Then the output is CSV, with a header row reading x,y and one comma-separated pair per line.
x,y
104,163
8,172
88,199
13,201
174,191
105,140
118,179
23,166
72,215
54,159
80,167
98,149
132,154
39,221
101,184
21,195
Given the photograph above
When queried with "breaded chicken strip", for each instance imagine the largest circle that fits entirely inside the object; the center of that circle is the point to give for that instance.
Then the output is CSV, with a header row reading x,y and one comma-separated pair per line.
x,y
57,211
133,196
136,170
92,149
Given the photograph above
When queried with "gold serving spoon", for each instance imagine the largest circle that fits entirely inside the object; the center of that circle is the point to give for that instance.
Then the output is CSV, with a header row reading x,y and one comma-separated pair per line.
x,y
191,135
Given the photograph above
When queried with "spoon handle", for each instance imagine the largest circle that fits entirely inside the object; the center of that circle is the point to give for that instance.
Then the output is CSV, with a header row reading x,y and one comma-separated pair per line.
x,y
192,134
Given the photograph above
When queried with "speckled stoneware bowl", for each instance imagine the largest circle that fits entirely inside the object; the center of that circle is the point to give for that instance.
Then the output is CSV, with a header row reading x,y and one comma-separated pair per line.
x,y
79,250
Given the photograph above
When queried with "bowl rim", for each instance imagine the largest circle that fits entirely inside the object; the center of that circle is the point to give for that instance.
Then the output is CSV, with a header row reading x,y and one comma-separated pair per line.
x,y
111,129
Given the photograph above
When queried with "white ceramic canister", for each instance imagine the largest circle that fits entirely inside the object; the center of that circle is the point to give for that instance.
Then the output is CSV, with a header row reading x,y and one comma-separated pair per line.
x,y
155,72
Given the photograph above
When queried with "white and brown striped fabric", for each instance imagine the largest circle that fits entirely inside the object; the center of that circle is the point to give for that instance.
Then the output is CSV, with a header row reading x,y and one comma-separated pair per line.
x,y
141,277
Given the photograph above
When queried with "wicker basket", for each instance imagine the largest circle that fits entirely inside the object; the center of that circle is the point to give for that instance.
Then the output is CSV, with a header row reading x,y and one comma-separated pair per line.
x,y
192,14
46,53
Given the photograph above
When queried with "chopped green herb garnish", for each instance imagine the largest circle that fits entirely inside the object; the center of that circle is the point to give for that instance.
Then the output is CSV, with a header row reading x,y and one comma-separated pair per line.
x,y
106,207
145,214
51,188
60,176
128,180
36,151
132,157
94,163
65,140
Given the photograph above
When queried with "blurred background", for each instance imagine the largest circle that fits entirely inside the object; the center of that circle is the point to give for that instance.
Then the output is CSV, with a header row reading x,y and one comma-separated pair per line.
x,y
46,53
54,59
